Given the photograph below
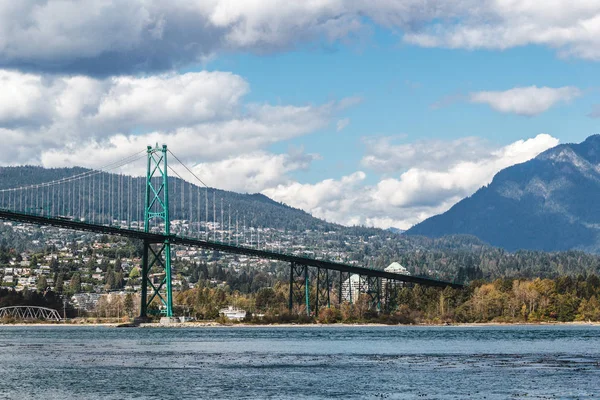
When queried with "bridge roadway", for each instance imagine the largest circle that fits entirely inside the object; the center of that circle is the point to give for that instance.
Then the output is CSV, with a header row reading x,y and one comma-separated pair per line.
x,y
185,241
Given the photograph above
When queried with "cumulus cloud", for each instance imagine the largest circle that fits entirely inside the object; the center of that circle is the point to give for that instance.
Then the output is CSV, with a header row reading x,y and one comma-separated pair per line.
x,y
416,192
100,38
384,155
431,185
64,120
528,101
331,199
253,172
572,27
123,37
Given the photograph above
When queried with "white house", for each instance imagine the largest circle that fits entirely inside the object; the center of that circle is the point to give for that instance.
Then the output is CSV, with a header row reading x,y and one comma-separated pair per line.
x,y
233,313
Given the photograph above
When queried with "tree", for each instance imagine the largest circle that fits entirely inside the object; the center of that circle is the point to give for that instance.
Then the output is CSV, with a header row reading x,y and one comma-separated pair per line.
x,y
54,265
128,304
109,279
265,298
42,283
184,285
75,284
134,275
58,286
589,310
119,280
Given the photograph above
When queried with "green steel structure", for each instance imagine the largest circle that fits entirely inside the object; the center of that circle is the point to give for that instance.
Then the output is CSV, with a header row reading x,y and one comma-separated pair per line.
x,y
156,210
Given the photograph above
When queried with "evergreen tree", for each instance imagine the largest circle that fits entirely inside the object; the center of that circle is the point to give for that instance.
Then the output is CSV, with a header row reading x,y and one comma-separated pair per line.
x,y
59,279
75,284
42,283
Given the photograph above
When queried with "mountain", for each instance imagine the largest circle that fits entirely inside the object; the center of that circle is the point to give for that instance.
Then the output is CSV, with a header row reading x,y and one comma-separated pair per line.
x,y
452,257
186,200
395,230
549,203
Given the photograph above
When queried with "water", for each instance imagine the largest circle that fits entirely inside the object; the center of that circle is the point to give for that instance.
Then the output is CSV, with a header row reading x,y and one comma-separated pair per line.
x,y
533,362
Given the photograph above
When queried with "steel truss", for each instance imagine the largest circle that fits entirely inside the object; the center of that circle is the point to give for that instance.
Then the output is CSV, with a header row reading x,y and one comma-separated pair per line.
x,y
157,254
30,313
323,290
390,294
299,287
371,286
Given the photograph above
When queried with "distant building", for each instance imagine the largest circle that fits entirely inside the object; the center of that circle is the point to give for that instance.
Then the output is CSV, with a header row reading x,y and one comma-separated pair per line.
x,y
233,313
85,301
397,268
352,286
394,268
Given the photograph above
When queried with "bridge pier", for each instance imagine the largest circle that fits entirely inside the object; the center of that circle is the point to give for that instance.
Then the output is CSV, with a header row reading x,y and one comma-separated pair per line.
x,y
390,289
144,302
371,286
374,292
323,290
299,286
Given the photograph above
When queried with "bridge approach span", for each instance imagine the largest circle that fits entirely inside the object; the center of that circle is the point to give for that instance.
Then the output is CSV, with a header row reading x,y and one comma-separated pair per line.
x,y
150,237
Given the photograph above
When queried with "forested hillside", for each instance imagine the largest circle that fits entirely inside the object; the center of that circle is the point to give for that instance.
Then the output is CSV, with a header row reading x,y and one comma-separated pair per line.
x,y
460,258
550,203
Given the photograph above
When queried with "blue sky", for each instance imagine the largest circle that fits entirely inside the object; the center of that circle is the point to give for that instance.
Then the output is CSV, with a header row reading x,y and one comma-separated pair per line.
x,y
399,86
381,113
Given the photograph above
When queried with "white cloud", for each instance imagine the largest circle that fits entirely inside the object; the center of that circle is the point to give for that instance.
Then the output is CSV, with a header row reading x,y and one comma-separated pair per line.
x,y
528,101
572,27
426,189
58,121
331,199
342,123
171,100
124,37
383,155
252,172
99,37
121,103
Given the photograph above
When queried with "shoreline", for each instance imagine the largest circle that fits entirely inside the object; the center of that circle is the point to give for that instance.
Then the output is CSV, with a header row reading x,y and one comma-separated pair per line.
x,y
212,324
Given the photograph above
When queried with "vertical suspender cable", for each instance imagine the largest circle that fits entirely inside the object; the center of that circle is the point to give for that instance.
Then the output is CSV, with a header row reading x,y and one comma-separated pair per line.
x,y
222,226
93,177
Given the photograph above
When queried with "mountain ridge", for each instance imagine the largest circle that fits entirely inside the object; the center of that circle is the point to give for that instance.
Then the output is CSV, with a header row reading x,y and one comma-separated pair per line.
x,y
549,203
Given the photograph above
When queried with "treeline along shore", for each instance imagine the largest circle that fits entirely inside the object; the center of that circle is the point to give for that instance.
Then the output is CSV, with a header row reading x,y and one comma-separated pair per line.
x,y
563,299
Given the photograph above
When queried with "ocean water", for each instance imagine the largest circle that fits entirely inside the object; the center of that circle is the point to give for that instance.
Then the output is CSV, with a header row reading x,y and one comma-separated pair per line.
x,y
488,362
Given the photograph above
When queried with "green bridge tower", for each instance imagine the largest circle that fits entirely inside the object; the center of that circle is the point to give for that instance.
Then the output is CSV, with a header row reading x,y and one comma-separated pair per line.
x,y
156,211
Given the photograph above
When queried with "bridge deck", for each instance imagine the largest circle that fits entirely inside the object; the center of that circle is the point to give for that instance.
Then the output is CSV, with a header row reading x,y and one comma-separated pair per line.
x,y
185,241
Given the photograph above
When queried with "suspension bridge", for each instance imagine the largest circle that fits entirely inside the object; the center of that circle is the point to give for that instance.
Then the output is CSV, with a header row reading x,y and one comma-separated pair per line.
x,y
107,201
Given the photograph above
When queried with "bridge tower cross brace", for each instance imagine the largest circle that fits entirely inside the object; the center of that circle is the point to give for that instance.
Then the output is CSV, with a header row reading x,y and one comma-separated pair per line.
x,y
156,207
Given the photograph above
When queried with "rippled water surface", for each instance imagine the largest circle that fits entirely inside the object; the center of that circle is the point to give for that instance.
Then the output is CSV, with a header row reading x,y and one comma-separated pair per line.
x,y
534,362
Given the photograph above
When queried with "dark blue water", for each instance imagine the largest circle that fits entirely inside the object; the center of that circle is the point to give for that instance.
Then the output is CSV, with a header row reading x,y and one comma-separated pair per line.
x,y
533,362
